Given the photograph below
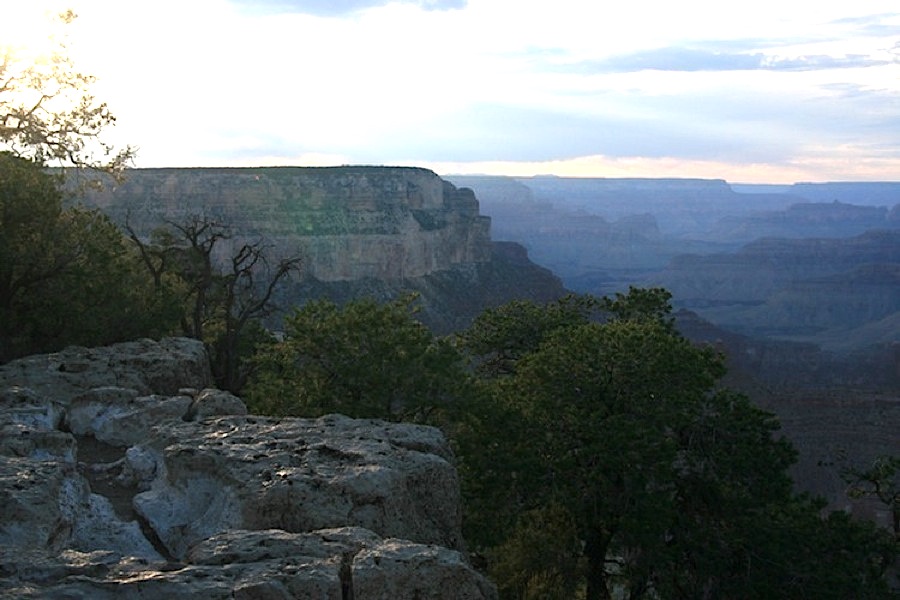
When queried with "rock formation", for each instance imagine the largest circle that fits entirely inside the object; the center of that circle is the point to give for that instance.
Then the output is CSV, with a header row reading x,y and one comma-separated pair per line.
x,y
123,475
349,223
837,411
825,291
377,231
807,220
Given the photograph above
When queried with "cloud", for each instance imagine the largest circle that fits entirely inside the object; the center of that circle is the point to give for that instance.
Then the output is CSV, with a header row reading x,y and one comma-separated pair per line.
x,y
696,59
336,8
872,25
821,62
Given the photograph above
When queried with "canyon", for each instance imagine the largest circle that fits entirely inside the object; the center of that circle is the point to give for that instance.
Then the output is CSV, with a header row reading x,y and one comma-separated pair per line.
x,y
773,262
797,285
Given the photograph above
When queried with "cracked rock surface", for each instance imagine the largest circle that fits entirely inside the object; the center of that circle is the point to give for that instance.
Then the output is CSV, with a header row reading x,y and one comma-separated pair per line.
x,y
124,475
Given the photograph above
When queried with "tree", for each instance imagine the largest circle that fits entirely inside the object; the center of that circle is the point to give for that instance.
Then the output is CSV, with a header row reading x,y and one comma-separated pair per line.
x,y
47,113
880,481
365,360
67,275
610,399
640,304
674,487
222,306
541,559
500,336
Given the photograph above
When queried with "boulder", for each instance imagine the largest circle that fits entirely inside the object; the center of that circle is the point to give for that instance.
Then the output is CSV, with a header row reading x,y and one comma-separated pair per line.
x,y
211,402
119,417
146,366
402,570
333,564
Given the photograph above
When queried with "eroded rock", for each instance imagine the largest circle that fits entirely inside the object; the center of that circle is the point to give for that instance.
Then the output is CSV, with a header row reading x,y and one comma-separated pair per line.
x,y
302,475
146,366
117,482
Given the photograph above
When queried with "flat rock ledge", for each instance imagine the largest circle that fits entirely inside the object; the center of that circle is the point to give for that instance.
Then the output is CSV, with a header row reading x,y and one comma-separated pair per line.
x,y
124,475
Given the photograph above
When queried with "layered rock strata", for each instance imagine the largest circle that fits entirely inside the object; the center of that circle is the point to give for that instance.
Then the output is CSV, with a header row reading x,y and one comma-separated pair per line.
x,y
122,475
349,223
380,232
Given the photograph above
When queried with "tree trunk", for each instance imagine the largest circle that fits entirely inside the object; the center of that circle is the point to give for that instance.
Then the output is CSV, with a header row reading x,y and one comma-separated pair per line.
x,y
595,550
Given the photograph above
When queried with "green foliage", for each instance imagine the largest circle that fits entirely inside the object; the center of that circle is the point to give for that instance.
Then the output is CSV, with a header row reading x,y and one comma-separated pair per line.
x,y
640,304
790,551
541,559
363,359
67,276
675,489
500,336
881,480
498,472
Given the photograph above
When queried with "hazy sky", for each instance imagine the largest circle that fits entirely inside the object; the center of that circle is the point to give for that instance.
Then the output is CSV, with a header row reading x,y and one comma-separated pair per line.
x,y
768,91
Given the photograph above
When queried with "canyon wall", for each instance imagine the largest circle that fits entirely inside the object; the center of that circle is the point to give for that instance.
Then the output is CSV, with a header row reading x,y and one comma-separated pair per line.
x,y
360,230
349,223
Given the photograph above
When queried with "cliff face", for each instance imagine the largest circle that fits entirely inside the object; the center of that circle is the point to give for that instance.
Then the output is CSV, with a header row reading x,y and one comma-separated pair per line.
x,y
373,231
349,223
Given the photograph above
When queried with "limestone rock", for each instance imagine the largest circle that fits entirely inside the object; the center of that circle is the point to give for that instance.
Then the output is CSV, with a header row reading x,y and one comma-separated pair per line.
x,y
146,366
301,475
213,402
118,479
39,503
119,417
329,564
29,427
402,570
352,222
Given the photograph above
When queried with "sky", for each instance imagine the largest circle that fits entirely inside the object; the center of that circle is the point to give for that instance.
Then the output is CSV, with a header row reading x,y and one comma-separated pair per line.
x,y
762,92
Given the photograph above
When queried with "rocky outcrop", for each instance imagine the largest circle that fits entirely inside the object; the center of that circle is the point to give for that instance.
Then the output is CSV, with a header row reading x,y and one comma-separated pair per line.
x,y
449,300
600,235
833,430
123,476
765,266
832,409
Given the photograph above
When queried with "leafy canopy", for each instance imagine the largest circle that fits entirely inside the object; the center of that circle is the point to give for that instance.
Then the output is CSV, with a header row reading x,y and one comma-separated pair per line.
x,y
67,275
363,359
673,487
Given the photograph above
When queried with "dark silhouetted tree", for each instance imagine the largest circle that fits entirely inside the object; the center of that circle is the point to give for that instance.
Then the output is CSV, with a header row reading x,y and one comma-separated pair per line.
x,y
223,303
